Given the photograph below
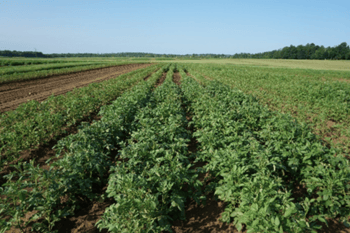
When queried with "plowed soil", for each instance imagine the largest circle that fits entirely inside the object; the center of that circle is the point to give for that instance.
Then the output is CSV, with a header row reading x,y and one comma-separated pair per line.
x,y
161,80
177,78
14,94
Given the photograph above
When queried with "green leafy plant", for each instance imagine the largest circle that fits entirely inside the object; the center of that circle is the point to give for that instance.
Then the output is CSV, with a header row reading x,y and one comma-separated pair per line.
x,y
259,157
84,162
34,123
147,186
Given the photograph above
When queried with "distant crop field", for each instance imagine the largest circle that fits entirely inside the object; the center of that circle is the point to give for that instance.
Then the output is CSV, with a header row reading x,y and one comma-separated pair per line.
x,y
17,69
183,146
280,63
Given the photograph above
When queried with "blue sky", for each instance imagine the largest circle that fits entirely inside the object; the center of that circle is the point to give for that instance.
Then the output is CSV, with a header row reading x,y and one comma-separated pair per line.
x,y
177,27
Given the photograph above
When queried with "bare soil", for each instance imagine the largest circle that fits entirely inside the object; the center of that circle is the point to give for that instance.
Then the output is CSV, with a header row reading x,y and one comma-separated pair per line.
x,y
161,80
84,219
14,94
204,218
177,78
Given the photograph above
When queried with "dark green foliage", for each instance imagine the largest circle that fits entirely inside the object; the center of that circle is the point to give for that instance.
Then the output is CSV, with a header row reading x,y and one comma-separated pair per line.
x,y
260,157
14,53
147,185
34,123
308,51
84,163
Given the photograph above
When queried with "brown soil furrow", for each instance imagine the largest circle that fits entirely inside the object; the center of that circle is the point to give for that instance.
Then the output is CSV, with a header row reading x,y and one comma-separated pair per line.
x,y
177,78
85,219
161,80
204,218
148,76
13,94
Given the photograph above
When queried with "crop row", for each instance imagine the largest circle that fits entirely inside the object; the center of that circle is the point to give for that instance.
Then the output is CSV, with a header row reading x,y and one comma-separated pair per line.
x,y
260,158
271,171
83,161
34,123
321,98
147,184
22,62
10,74
41,67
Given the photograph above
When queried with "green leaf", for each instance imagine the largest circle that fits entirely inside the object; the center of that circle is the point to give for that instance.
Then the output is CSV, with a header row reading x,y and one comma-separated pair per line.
x,y
22,195
288,212
239,226
322,219
346,224
277,221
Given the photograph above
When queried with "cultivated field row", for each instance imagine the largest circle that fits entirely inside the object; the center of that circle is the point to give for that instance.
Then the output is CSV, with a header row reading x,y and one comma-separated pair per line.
x,y
18,70
320,99
150,148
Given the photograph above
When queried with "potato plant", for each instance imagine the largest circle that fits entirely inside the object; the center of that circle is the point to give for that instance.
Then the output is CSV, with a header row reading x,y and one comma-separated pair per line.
x,y
320,98
259,157
43,68
34,123
271,170
147,185
85,161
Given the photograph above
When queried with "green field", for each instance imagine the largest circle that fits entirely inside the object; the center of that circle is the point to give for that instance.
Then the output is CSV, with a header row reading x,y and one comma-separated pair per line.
x,y
272,137
17,69
277,63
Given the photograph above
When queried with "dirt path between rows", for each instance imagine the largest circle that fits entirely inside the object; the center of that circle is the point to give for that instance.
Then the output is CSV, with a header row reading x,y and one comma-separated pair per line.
x,y
14,94
161,80
177,78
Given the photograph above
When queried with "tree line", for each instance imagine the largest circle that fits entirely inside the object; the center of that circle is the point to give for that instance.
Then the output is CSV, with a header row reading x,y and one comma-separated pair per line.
x,y
308,51
8,53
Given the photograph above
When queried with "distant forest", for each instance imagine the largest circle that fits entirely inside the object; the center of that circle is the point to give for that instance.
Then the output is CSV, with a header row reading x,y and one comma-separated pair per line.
x,y
308,51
